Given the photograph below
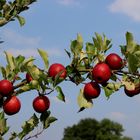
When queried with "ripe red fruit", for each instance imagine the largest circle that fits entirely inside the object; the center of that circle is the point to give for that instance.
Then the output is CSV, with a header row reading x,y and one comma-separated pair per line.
x,y
114,61
11,105
55,69
6,87
91,90
41,103
28,77
101,73
131,93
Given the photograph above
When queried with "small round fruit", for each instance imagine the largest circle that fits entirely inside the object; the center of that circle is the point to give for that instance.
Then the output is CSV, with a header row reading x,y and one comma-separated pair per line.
x,y
11,105
55,69
114,61
6,87
28,77
101,73
131,93
41,104
91,90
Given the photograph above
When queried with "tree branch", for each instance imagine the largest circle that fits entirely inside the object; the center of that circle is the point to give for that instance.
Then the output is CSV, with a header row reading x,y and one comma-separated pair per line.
x,y
35,136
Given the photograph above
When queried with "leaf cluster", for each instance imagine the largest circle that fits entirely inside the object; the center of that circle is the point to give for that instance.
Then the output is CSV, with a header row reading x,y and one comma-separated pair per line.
x,y
33,123
11,10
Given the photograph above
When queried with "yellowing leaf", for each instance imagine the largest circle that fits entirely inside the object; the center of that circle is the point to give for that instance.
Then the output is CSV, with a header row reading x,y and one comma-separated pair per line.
x,y
9,58
83,102
44,56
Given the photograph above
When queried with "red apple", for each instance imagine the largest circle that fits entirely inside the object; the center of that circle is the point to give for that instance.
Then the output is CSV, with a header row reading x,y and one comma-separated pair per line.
x,y
6,87
132,93
28,77
55,69
41,103
11,105
114,61
101,73
91,90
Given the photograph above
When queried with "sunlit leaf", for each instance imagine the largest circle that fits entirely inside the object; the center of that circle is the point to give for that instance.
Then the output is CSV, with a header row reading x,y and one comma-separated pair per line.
x,y
83,102
44,56
48,121
28,126
9,58
91,50
132,63
21,20
60,95
3,124
68,53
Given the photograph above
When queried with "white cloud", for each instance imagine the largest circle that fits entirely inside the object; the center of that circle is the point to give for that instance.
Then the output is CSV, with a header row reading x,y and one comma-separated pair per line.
x,y
130,8
15,38
27,52
55,52
117,116
68,2
25,45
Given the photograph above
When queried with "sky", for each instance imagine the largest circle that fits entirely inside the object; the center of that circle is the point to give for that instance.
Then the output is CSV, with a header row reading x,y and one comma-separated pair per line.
x,y
51,25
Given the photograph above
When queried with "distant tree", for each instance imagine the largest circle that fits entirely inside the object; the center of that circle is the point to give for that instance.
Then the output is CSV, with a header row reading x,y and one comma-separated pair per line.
x,y
91,129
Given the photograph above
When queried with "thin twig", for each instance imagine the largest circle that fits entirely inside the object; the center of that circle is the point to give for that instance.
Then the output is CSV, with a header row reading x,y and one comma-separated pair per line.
x,y
20,84
35,136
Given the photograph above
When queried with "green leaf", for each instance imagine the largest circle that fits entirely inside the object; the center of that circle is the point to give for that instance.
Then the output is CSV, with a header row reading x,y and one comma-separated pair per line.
x,y
58,79
68,53
1,138
130,44
21,20
27,62
83,102
24,88
102,44
48,121
3,124
44,115
34,84
99,37
76,46
33,120
44,56
3,71
110,88
60,95
91,50
28,126
2,115
137,57
13,136
34,71
80,39
19,59
108,92
132,63
123,49
10,58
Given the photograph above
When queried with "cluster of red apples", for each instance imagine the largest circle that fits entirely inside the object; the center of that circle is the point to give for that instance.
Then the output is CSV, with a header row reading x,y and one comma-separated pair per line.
x,y
101,73
12,105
